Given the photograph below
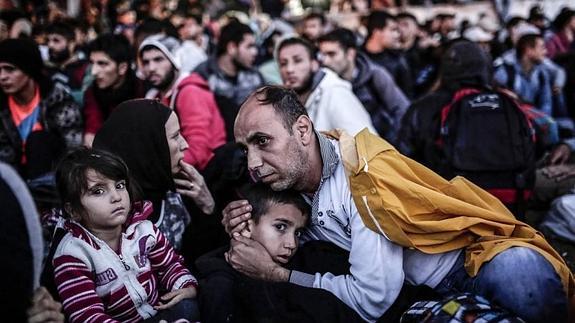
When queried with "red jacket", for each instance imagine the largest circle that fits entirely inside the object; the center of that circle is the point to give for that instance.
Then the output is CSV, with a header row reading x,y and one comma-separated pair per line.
x,y
200,121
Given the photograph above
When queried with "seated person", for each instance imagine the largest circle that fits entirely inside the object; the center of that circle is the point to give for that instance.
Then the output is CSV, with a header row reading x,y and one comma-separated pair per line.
x,y
278,221
113,264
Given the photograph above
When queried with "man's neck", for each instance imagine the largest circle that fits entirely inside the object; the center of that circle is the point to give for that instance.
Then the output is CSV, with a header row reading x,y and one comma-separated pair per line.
x,y
26,95
311,182
349,72
526,65
169,87
372,46
227,65
408,43
119,83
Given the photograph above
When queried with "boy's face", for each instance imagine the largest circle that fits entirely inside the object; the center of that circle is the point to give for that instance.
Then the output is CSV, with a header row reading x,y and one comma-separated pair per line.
x,y
278,231
106,203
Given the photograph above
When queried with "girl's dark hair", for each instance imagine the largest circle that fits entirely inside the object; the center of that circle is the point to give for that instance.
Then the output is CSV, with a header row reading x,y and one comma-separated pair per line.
x,y
261,197
72,181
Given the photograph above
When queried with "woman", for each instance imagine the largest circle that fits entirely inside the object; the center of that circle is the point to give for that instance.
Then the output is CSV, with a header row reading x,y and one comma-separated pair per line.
x,y
146,134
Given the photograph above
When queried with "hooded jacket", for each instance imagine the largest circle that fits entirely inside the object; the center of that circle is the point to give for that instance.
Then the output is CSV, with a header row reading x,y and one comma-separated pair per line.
x,y
97,283
332,104
380,96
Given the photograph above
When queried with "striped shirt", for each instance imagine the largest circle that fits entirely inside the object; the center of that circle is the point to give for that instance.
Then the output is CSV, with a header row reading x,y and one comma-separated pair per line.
x,y
97,284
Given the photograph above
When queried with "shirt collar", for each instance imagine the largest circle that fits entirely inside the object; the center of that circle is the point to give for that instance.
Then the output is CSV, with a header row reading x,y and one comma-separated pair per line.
x,y
328,156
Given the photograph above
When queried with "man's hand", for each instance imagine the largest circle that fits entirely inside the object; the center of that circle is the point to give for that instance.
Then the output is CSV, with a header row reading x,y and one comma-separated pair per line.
x,y
250,258
559,172
560,155
193,185
174,297
235,217
44,308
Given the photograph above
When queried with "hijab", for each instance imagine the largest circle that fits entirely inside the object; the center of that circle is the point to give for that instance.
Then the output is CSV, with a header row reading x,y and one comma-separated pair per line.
x,y
136,132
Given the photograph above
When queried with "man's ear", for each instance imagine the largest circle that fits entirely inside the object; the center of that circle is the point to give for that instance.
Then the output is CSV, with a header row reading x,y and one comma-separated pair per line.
x,y
303,129
232,48
123,68
351,54
314,65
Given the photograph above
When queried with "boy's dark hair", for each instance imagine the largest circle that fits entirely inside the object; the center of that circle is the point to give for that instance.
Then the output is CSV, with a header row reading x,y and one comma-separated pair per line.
x,y
344,37
315,15
261,197
406,15
526,41
284,101
72,181
310,48
63,29
116,46
377,20
233,32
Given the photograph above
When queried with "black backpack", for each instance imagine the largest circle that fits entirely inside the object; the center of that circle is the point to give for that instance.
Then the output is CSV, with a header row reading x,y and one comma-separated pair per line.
x,y
486,136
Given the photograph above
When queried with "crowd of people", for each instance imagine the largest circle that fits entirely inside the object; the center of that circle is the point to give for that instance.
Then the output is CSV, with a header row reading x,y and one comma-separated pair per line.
x,y
231,162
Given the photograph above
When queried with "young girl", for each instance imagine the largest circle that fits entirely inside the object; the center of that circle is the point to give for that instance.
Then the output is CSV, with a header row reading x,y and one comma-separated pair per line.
x,y
113,264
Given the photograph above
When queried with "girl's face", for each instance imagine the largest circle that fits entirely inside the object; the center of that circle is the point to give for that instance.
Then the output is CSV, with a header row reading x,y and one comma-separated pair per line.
x,y
176,142
106,202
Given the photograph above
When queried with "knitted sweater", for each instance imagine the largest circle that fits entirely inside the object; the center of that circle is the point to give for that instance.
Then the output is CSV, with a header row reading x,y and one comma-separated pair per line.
x,y
97,284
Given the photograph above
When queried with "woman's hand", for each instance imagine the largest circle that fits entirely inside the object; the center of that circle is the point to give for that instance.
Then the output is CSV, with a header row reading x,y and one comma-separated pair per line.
x,y
192,185
174,297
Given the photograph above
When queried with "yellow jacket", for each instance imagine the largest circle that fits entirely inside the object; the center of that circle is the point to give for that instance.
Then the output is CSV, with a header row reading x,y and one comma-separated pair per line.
x,y
416,208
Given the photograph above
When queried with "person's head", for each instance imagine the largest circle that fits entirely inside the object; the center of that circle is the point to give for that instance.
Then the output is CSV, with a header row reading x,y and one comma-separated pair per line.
x,y
408,27
446,23
21,66
237,41
159,60
565,20
338,51
146,134
277,219
297,62
382,29
277,134
313,26
110,56
537,17
531,47
190,27
465,63
95,188
61,42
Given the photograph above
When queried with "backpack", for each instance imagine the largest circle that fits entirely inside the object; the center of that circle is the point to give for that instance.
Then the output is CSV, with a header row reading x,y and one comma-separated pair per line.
x,y
487,137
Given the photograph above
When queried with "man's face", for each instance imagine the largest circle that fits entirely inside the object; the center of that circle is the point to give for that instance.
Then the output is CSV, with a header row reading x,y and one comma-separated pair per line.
x,y
275,157
389,35
244,54
107,73
278,231
158,69
335,57
407,29
312,29
537,53
59,48
296,67
12,79
190,29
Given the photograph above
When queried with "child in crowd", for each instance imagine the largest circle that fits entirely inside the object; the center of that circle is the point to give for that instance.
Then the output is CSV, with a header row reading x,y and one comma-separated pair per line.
x,y
278,219
113,264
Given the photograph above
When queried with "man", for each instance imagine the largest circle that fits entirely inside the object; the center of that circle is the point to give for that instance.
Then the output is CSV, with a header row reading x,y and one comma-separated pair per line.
x,y
371,83
328,99
187,94
383,47
313,26
526,75
114,81
231,73
38,121
194,43
399,220
65,67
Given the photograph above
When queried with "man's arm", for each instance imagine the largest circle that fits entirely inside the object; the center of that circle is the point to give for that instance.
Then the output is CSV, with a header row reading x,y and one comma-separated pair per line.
x,y
376,273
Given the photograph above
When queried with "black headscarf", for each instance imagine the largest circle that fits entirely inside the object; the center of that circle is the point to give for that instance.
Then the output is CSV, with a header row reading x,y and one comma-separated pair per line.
x,y
136,132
